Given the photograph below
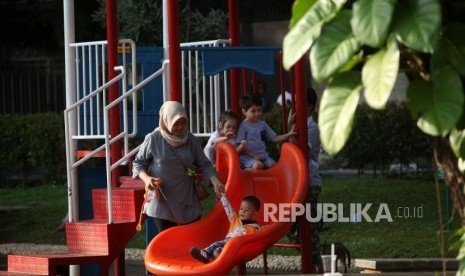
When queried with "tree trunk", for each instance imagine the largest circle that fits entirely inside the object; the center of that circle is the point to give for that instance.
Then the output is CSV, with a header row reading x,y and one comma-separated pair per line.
x,y
453,178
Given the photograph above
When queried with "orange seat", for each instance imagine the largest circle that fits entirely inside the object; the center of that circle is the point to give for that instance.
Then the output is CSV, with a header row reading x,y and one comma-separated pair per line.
x,y
286,182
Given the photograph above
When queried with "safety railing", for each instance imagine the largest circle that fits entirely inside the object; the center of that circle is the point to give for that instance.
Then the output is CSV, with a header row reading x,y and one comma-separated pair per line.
x,y
108,141
91,72
204,97
84,118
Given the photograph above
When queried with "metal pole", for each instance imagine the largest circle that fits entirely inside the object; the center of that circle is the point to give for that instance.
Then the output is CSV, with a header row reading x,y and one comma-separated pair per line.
x,y
70,83
115,128
302,141
166,75
112,38
174,50
234,34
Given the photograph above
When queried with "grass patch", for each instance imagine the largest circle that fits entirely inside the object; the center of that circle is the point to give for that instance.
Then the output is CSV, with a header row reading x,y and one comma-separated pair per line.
x,y
409,234
411,237
31,214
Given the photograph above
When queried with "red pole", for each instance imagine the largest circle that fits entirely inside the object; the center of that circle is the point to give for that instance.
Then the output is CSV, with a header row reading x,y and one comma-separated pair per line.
x,y
112,39
245,89
174,51
254,83
302,141
115,149
233,8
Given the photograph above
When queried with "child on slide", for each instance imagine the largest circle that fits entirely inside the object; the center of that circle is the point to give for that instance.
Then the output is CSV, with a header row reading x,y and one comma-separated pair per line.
x,y
240,224
227,130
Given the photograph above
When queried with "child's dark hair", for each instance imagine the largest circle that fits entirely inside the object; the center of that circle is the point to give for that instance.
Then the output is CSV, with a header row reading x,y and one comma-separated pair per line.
x,y
227,115
311,97
253,200
245,102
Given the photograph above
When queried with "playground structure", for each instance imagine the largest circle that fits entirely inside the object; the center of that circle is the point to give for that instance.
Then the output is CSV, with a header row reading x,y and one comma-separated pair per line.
x,y
103,92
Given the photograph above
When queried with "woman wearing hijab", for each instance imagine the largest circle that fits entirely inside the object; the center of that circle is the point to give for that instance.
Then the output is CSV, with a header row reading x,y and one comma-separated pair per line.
x,y
162,158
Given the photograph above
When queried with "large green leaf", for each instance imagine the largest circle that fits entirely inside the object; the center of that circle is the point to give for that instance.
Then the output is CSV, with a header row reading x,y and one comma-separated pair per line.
x,y
450,50
440,58
417,23
439,103
335,47
454,39
301,37
417,101
371,20
299,8
337,110
379,75
461,122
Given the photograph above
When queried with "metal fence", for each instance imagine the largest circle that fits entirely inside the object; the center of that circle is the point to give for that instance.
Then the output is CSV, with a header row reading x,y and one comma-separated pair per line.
x,y
32,85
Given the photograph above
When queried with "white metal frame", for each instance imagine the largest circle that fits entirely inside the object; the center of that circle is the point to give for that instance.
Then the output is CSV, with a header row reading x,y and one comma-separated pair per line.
x,y
90,103
199,90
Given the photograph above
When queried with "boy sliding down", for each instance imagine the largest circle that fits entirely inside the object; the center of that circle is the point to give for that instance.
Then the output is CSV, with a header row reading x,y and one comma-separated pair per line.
x,y
240,224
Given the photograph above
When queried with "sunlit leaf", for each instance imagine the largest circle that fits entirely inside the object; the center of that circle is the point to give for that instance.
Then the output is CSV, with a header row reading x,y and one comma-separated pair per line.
x,y
379,74
334,48
300,38
371,20
299,8
461,165
354,60
417,23
457,142
456,236
337,109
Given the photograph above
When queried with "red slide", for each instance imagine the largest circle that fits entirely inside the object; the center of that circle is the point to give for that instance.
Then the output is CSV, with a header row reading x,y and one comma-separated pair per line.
x,y
286,182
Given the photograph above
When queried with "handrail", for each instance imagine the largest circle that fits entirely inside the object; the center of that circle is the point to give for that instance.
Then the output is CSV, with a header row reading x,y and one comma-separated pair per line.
x,y
215,42
91,64
69,165
108,141
95,92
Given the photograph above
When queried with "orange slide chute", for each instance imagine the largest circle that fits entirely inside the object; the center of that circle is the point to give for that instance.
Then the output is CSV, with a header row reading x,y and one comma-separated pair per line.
x,y
286,182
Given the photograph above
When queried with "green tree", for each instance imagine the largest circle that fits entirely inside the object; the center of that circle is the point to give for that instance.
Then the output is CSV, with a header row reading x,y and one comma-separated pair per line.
x,y
142,22
363,45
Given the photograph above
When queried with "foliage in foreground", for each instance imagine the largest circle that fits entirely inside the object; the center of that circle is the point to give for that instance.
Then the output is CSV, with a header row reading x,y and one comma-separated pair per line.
x,y
363,45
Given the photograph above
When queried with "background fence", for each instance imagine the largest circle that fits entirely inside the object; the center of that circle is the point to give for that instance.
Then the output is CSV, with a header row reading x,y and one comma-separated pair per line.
x,y
32,85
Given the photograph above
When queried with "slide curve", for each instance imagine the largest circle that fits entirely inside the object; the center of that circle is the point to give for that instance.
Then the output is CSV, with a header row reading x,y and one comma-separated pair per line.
x,y
286,182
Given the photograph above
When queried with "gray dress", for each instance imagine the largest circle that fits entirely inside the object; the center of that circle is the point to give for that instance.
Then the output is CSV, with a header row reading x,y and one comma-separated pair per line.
x,y
157,158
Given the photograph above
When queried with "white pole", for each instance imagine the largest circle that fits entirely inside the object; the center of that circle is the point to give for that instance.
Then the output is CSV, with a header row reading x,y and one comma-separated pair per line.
x,y
333,258
70,83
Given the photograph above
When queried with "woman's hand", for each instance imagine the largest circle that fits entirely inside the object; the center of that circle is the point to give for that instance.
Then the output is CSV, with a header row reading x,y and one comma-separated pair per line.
x,y
217,185
149,181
